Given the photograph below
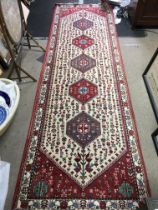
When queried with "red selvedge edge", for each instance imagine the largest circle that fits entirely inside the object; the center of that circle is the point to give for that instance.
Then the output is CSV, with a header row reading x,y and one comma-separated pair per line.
x,y
28,139
120,98
131,107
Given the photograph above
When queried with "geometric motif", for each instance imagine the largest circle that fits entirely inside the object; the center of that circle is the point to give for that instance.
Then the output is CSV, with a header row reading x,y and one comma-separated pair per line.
x,y
125,189
40,189
83,91
83,129
83,63
83,24
83,42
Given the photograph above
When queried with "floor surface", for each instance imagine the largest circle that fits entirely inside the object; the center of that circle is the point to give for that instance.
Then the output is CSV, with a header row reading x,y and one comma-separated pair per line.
x,y
137,47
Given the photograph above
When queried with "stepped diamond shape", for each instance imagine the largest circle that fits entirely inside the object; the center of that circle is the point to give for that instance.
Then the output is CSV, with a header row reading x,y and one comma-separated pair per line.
x,y
83,42
83,63
83,91
83,24
83,129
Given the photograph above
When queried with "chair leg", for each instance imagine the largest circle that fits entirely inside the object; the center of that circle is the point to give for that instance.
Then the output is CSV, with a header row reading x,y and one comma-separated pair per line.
x,y
25,72
18,70
33,39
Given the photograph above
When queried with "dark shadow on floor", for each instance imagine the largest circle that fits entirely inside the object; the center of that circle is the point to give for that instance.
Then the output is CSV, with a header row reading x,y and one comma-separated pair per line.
x,y
124,29
40,19
40,59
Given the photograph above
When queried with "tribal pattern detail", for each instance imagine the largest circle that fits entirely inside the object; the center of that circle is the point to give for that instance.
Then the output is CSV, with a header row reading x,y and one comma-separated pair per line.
x,y
83,24
83,42
83,129
83,90
83,63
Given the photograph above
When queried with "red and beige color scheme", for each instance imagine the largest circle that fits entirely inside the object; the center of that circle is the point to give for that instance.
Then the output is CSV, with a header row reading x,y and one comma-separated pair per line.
x,y
82,149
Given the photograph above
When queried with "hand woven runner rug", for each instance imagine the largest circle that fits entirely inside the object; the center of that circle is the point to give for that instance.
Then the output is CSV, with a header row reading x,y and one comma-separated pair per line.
x,y
82,150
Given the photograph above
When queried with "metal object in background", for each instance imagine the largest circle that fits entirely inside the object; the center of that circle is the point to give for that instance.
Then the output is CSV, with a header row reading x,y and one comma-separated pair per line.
x,y
155,140
14,29
26,3
150,77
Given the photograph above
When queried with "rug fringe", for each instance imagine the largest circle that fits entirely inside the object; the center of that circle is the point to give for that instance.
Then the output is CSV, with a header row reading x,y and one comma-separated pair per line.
x,y
70,3
108,208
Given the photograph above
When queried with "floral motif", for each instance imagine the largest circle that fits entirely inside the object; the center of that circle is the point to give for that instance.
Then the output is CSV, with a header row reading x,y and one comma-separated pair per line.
x,y
125,189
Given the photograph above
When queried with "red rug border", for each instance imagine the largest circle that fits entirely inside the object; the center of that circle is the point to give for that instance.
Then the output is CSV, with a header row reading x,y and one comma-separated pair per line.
x,y
131,108
16,192
27,142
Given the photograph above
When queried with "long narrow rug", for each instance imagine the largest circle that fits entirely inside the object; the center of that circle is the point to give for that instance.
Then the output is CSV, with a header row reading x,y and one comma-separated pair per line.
x,y
82,149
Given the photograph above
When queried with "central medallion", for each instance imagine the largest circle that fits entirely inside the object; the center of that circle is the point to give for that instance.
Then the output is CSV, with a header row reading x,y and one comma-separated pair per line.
x,y
83,90
83,129
83,63
83,42
83,24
